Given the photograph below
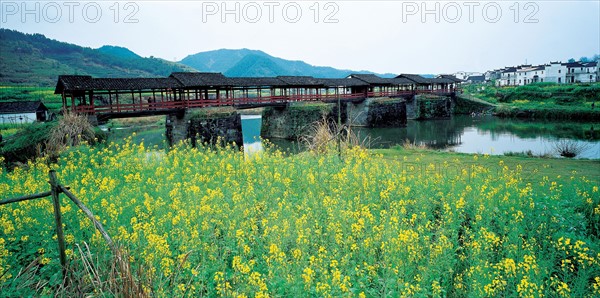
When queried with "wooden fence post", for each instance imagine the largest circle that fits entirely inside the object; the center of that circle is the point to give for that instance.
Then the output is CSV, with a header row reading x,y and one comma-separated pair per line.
x,y
55,189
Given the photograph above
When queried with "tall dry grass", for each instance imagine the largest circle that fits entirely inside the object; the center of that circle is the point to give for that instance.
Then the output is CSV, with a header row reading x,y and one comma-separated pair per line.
x,y
72,130
326,136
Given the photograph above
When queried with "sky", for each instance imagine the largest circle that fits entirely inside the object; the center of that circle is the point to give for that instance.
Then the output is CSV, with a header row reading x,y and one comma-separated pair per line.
x,y
381,36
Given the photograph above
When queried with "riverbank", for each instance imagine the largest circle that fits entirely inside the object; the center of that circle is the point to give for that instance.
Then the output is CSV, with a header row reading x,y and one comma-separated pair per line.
x,y
535,168
529,110
578,102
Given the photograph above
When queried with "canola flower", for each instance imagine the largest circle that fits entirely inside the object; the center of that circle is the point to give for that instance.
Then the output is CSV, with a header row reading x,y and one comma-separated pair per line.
x,y
209,221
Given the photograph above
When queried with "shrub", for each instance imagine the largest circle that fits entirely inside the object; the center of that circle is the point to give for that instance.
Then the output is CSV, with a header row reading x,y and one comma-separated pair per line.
x,y
28,143
569,148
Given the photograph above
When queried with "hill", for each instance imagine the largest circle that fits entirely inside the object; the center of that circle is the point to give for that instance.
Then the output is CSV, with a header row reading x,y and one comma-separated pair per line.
x,y
218,60
34,60
253,63
255,66
118,52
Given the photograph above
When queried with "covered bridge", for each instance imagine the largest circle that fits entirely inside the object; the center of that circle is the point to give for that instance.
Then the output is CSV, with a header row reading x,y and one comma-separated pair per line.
x,y
181,90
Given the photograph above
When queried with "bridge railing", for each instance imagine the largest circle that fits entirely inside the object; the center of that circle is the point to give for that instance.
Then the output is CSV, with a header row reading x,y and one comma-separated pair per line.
x,y
231,101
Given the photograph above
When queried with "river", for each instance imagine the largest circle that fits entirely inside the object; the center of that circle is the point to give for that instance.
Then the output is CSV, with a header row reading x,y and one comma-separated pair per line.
x,y
466,134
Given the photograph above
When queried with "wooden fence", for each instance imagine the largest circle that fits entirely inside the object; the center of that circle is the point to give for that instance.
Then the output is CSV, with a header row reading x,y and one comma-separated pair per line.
x,y
55,190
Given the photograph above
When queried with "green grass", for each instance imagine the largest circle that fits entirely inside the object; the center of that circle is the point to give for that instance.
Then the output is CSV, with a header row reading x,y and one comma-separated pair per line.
x,y
536,168
11,129
26,143
560,94
542,100
32,93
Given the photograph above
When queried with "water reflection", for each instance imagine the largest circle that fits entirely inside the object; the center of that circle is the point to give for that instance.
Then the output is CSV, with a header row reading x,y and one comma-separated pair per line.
x,y
251,125
468,134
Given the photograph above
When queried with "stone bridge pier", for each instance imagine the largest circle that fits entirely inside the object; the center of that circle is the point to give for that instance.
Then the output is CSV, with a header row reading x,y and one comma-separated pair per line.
x,y
204,126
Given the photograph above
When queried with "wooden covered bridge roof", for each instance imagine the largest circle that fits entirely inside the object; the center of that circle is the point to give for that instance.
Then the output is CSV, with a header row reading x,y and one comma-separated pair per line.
x,y
83,83
189,80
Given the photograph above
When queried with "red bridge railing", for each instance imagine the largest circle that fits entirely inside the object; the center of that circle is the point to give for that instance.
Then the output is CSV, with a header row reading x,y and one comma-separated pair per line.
x,y
231,101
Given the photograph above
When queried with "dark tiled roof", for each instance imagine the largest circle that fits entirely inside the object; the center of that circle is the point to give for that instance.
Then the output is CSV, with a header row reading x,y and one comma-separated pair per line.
x,y
415,78
580,64
346,82
79,83
21,107
201,79
69,82
572,64
441,81
455,79
400,81
476,78
133,83
370,78
300,81
257,82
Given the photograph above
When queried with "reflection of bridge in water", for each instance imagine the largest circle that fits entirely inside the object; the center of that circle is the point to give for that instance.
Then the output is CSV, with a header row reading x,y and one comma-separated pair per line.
x,y
133,97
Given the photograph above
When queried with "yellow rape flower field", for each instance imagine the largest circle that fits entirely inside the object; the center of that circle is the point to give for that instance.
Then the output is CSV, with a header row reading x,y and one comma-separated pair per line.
x,y
213,222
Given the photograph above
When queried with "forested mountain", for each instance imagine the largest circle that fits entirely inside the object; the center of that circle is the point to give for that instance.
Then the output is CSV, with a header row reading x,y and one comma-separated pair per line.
x,y
33,59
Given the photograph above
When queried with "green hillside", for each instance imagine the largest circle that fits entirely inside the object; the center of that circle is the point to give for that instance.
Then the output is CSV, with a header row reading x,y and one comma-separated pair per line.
x,y
237,63
255,66
118,51
34,60
219,60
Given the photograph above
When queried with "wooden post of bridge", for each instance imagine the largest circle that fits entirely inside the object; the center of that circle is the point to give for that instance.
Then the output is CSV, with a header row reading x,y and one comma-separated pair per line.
x,y
339,125
92,101
55,190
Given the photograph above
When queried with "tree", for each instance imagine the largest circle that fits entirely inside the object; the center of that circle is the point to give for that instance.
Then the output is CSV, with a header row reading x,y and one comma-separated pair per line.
x,y
584,59
596,58
571,60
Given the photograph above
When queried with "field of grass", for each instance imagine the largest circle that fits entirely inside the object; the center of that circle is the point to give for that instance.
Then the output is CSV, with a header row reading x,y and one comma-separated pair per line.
x,y
210,222
32,93
11,129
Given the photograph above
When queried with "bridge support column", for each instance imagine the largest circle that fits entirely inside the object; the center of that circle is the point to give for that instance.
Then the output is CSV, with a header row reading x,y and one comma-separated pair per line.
x,y
295,120
432,107
207,125
93,119
378,112
176,127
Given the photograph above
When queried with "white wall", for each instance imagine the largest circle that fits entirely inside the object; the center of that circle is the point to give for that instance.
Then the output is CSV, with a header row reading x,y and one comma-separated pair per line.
x,y
507,79
555,71
17,118
582,74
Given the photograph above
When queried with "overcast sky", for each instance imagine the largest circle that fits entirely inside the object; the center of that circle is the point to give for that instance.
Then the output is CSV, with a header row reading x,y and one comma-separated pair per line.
x,y
381,36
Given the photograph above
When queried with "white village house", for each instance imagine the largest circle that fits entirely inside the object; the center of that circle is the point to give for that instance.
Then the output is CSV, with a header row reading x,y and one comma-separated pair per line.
x,y
554,72
582,72
22,112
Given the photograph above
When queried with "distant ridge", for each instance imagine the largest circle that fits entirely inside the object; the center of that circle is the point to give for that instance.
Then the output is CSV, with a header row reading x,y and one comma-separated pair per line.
x,y
34,60
254,63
